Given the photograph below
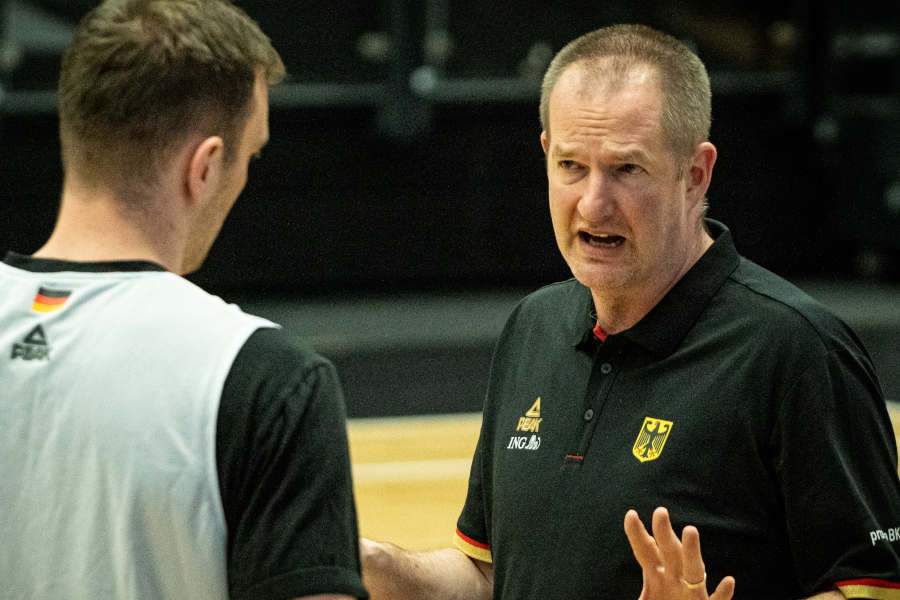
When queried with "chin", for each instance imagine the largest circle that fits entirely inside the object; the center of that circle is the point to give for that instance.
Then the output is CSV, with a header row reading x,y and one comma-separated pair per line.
x,y
605,279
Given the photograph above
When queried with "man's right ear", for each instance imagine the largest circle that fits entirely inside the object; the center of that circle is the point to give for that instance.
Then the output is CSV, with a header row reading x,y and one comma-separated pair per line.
x,y
205,169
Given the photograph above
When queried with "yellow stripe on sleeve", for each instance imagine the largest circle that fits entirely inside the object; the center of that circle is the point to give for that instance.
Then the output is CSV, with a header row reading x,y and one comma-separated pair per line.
x,y
471,548
870,591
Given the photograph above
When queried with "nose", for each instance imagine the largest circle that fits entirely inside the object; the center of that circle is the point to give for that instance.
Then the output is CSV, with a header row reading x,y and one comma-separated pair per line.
x,y
598,200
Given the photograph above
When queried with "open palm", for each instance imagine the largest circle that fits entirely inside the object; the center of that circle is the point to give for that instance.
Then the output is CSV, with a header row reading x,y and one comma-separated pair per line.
x,y
673,569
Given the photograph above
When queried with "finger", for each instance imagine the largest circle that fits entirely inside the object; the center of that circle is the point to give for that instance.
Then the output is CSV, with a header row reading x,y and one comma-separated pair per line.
x,y
668,543
642,544
725,589
693,569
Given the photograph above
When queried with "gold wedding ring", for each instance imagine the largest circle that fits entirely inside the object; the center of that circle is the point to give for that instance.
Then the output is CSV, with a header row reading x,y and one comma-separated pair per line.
x,y
694,586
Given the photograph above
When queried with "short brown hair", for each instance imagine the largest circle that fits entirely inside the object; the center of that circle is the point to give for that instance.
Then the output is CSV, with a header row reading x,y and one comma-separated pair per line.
x,y
687,100
140,76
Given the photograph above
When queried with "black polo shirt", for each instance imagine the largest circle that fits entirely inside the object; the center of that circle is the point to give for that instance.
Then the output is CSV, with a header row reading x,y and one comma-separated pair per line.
x,y
738,402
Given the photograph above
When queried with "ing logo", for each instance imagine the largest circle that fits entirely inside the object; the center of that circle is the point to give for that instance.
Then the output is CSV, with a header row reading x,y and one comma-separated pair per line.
x,y
651,439
530,423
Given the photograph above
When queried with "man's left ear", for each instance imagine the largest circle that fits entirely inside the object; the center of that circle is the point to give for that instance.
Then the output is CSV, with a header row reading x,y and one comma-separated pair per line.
x,y
205,168
700,171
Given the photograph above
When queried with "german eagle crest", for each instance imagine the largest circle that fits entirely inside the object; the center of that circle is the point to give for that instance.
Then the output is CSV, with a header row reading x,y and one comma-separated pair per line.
x,y
651,439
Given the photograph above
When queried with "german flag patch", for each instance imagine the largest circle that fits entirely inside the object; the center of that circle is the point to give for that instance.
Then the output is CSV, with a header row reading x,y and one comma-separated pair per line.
x,y
48,300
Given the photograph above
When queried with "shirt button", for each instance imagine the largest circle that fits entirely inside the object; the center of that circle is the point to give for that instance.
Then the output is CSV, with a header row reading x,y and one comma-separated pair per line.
x,y
606,368
589,414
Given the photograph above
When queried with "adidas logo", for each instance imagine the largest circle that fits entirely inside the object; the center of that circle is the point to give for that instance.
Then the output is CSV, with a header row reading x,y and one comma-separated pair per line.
x,y
33,347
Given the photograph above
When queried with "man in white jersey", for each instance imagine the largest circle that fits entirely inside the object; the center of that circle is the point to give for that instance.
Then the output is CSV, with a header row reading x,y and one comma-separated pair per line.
x,y
155,441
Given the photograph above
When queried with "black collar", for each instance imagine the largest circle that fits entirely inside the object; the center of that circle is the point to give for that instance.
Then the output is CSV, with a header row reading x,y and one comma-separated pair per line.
x,y
667,323
52,265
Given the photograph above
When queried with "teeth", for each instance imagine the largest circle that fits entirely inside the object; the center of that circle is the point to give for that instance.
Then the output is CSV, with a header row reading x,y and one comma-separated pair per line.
x,y
603,239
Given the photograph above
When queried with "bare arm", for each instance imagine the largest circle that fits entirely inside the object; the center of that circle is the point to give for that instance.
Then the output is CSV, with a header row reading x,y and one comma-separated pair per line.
x,y
392,573
673,569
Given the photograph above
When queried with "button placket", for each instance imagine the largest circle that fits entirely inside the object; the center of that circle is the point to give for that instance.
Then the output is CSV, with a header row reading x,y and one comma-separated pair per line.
x,y
600,385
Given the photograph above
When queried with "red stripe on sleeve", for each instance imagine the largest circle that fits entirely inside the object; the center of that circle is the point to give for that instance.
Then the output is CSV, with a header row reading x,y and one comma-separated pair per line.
x,y
469,540
870,582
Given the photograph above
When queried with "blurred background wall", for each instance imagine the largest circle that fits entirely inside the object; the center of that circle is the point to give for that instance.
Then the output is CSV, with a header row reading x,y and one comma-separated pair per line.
x,y
405,147
405,156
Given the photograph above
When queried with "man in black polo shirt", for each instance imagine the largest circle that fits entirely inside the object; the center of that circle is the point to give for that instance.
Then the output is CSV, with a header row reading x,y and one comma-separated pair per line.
x,y
668,372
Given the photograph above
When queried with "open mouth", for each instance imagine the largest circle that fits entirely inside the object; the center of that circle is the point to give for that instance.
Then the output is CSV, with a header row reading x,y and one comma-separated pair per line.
x,y
602,240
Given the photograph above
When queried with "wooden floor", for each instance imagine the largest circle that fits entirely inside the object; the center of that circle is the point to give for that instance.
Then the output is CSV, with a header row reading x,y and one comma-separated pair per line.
x,y
411,474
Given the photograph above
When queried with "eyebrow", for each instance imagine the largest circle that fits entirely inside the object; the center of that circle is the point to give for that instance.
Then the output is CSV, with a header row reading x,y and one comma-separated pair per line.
x,y
626,156
631,156
557,152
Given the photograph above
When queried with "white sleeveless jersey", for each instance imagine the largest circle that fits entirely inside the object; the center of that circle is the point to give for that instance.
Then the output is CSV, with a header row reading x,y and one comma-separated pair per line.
x,y
109,395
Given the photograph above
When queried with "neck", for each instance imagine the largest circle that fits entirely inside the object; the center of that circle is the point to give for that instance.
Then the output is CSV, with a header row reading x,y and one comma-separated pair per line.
x,y
94,225
621,309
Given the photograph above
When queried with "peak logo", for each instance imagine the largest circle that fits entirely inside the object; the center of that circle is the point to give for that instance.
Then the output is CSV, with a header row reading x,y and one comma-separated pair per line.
x,y
530,423
33,347
532,419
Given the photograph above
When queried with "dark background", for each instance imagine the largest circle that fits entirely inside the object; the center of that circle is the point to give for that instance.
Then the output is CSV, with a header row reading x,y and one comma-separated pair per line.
x,y
405,153
374,182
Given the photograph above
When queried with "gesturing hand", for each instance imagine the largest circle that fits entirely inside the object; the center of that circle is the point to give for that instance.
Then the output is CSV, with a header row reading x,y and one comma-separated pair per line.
x,y
673,569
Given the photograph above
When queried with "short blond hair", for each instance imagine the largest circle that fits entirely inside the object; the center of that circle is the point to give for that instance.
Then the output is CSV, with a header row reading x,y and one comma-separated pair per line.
x,y
686,97
140,76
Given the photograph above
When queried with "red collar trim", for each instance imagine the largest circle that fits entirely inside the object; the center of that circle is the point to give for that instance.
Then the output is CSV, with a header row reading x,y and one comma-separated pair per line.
x,y
599,333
